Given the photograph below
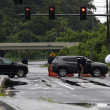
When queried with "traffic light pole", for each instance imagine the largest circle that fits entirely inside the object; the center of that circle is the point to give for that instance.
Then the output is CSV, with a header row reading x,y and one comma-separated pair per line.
x,y
108,44
67,14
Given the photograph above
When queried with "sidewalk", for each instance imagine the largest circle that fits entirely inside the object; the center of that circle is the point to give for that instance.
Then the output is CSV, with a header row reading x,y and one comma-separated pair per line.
x,y
21,103
29,104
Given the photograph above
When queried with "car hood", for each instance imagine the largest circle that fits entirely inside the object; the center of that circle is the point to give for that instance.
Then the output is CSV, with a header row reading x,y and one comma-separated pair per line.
x,y
98,63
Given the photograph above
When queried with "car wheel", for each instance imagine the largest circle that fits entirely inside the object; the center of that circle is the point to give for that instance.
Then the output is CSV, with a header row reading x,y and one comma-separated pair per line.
x,y
20,73
96,72
62,72
11,76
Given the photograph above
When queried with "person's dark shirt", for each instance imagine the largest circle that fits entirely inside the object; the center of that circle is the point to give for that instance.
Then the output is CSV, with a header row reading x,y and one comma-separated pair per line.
x,y
83,61
24,61
49,61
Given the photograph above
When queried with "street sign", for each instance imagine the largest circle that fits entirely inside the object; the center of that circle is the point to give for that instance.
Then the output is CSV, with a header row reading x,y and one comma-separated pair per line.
x,y
52,53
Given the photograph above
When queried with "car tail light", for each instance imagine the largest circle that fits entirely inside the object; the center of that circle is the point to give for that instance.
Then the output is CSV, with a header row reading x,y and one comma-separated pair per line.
x,y
55,63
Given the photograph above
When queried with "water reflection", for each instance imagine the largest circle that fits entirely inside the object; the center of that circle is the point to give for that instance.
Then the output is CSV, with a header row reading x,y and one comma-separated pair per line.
x,y
98,83
90,105
7,89
73,83
89,81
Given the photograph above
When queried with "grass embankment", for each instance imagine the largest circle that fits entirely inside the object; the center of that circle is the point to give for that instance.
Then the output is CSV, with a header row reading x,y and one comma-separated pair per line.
x,y
47,99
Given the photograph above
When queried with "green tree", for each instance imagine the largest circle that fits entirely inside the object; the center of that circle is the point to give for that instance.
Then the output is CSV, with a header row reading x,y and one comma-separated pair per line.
x,y
62,53
96,44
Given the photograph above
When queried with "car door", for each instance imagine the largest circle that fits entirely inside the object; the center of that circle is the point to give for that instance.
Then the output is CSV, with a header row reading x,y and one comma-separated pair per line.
x,y
72,64
8,67
78,66
87,67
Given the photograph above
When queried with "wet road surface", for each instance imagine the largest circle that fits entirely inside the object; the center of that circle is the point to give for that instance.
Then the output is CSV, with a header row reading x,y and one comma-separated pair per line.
x,y
88,91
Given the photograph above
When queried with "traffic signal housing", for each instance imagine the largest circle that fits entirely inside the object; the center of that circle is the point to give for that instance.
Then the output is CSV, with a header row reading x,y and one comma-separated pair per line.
x,y
51,12
82,13
27,13
18,1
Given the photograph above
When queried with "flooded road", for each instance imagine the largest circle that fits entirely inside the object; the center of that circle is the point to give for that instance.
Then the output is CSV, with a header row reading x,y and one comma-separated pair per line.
x,y
38,90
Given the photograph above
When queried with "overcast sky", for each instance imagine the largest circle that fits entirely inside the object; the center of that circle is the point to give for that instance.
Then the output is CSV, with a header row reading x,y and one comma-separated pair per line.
x,y
101,9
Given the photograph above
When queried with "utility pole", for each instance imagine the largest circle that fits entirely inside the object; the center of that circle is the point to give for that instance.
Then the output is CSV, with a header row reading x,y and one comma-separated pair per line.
x,y
107,23
92,36
109,9
66,6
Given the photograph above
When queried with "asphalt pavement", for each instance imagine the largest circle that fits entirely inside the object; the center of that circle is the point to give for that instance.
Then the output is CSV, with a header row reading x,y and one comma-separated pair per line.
x,y
66,95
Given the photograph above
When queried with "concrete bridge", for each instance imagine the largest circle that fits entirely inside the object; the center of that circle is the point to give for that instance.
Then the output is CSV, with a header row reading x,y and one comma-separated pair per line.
x,y
35,45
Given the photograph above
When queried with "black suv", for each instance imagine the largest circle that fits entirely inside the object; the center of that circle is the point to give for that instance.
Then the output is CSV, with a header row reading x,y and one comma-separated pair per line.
x,y
64,65
10,68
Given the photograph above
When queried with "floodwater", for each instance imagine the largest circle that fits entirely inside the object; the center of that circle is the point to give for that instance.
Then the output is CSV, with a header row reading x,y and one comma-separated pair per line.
x,y
8,88
90,105
89,81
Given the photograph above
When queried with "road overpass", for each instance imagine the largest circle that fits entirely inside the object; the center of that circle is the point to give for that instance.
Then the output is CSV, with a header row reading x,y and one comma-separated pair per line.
x,y
35,45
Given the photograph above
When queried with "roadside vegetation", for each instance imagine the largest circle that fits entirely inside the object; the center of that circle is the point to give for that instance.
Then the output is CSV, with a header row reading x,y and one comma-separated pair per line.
x,y
45,65
47,99
2,94
1,87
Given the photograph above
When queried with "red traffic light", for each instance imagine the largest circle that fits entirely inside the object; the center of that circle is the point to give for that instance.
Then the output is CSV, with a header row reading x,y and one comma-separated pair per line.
x,y
27,9
82,13
83,9
51,12
51,8
27,13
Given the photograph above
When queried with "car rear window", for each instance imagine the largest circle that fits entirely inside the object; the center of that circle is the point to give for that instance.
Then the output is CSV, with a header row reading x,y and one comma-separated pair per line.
x,y
55,59
70,59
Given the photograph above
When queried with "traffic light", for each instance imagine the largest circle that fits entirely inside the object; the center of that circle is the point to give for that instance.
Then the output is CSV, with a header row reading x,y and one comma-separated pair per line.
x,y
82,13
51,12
27,13
18,1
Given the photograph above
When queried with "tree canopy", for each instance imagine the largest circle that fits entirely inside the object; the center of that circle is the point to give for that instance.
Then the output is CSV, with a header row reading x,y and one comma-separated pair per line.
x,y
14,28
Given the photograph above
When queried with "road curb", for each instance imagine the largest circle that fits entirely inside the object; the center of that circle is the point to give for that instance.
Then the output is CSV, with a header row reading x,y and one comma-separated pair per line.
x,y
6,106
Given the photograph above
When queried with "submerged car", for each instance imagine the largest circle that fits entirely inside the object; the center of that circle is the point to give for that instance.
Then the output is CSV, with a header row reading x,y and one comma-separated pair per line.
x,y
64,65
10,68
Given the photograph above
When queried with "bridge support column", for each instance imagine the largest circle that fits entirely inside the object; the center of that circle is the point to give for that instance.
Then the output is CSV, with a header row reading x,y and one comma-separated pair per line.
x,y
1,53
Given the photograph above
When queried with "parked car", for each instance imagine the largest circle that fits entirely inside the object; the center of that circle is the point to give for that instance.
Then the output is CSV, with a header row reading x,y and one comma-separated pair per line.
x,y
10,68
64,65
